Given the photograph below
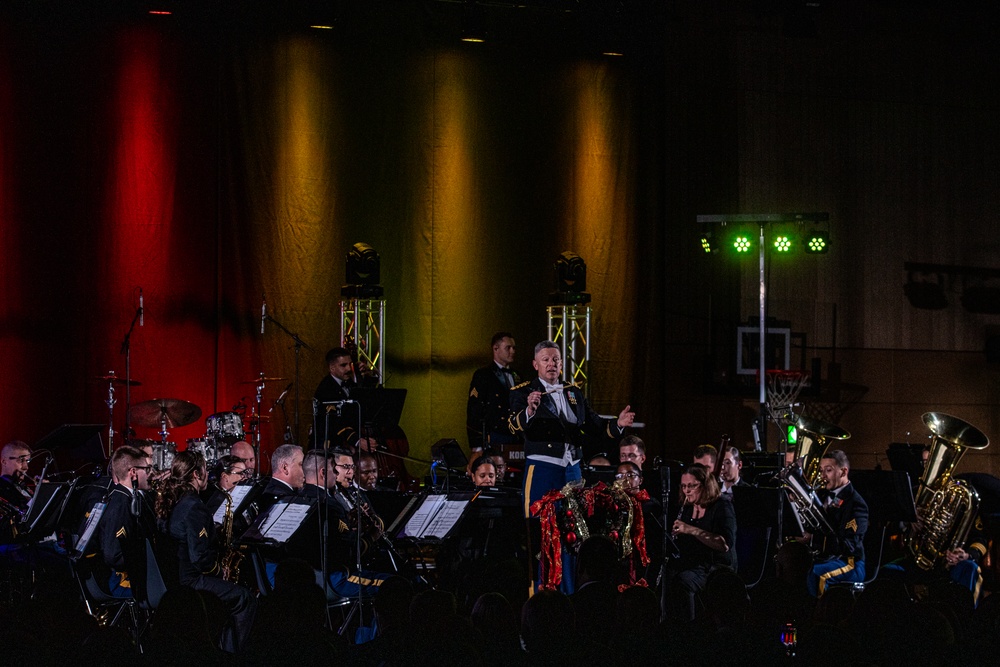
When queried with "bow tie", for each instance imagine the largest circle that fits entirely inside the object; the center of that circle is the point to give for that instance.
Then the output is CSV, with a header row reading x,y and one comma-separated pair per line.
x,y
506,370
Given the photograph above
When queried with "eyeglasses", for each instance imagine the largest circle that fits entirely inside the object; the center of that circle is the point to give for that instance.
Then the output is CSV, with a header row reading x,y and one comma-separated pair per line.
x,y
346,466
627,475
242,473
23,458
695,485
146,468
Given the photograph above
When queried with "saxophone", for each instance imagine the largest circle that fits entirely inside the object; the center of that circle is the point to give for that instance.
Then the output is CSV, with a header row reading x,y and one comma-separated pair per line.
x,y
229,556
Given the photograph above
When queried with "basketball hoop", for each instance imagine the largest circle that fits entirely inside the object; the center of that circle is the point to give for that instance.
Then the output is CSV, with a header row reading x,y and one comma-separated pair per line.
x,y
783,388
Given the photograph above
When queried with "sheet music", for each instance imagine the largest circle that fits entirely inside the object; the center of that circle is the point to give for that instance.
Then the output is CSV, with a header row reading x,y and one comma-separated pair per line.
x,y
422,518
446,518
286,522
88,531
238,493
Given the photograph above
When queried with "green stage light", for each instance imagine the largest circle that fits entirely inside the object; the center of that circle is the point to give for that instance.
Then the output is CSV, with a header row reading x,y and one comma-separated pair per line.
x,y
742,243
706,242
817,242
782,243
793,434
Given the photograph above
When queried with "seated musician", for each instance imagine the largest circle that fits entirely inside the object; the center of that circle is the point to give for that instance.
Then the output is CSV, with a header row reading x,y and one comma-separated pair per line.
x,y
842,557
367,472
706,455
484,472
501,467
321,485
630,475
14,459
286,472
231,470
119,528
244,451
187,522
729,473
705,534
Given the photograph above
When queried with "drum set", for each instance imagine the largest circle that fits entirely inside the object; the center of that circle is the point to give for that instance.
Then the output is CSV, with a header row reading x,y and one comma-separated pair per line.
x,y
222,429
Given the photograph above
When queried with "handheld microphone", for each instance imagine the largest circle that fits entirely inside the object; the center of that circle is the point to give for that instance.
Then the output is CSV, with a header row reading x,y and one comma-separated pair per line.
x,y
263,313
142,310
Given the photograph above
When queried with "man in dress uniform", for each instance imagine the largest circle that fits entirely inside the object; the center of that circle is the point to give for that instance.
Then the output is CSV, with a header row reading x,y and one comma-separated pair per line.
x,y
488,405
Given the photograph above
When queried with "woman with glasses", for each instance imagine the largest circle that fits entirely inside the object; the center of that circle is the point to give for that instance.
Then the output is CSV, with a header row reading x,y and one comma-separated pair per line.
x,y
232,470
705,534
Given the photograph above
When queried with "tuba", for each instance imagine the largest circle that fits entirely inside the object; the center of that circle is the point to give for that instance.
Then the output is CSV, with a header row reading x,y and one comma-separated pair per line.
x,y
802,477
946,507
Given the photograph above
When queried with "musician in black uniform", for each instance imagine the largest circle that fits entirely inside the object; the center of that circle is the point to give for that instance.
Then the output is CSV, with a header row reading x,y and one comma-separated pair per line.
x,y
729,472
126,522
286,474
705,534
186,521
336,386
555,420
14,459
321,487
489,405
843,555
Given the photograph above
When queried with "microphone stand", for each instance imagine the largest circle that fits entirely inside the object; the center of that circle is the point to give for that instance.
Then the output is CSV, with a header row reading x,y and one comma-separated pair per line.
x,y
299,344
127,351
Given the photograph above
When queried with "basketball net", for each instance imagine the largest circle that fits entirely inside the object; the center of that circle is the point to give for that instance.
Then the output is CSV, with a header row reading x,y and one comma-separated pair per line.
x,y
783,388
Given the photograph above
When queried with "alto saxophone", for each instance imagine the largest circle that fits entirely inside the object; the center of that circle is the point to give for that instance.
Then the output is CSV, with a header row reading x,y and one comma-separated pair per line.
x,y
229,556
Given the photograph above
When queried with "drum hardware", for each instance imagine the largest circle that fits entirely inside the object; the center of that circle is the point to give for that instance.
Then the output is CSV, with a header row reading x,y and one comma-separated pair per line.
x,y
112,379
263,380
126,350
164,412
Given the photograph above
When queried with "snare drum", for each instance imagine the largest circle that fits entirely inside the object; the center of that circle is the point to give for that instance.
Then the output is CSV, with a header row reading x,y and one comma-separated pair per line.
x,y
224,426
209,448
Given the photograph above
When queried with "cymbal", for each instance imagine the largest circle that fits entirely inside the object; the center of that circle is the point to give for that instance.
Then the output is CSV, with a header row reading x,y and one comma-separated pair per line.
x,y
262,379
114,379
177,412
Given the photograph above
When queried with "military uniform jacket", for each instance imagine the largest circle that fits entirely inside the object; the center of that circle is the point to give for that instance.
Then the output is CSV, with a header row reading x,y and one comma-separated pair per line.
x,y
546,433
848,515
341,539
118,527
489,402
191,527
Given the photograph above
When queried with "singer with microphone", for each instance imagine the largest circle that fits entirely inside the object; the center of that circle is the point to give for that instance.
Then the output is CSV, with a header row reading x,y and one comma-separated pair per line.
x,y
705,534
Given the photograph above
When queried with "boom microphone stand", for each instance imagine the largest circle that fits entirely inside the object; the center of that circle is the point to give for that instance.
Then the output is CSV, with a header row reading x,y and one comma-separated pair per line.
x,y
127,351
299,344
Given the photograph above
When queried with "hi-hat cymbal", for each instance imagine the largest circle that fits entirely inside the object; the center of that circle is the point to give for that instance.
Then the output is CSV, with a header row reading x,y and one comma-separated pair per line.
x,y
114,379
263,379
177,413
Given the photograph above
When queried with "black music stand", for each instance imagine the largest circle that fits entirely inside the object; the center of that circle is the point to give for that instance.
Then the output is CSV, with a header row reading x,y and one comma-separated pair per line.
x,y
75,445
906,457
449,451
595,474
887,493
44,511
380,406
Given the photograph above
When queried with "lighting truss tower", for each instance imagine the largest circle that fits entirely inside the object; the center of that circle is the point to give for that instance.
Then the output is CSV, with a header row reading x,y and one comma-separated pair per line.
x,y
569,328
361,323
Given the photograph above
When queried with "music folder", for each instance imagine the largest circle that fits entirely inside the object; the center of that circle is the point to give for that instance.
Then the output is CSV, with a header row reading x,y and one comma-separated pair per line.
x,y
278,523
436,516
